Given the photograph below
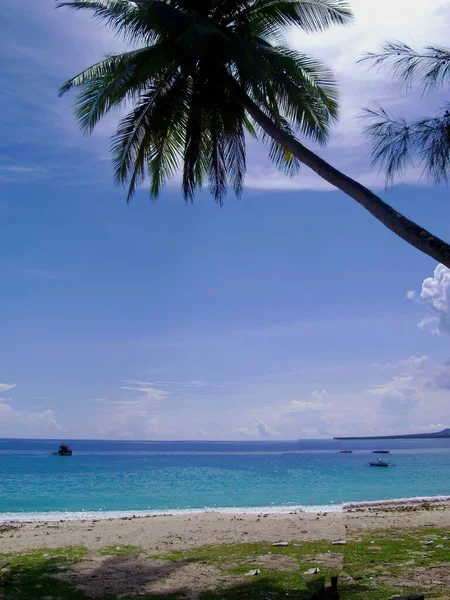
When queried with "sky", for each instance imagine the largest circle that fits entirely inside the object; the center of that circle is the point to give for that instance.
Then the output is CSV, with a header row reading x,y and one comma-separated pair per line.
x,y
288,314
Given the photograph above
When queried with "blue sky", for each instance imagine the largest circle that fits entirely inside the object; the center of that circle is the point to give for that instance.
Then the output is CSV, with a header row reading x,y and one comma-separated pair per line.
x,y
289,313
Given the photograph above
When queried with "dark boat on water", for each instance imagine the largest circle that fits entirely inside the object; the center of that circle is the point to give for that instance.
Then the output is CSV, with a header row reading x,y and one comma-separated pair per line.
x,y
380,463
345,451
63,450
380,451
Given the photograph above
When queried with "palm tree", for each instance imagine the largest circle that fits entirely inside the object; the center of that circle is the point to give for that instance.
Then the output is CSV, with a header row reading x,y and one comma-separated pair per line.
x,y
397,142
204,73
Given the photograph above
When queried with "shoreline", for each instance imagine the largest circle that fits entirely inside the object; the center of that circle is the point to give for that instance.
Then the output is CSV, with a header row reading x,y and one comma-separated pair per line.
x,y
92,515
160,534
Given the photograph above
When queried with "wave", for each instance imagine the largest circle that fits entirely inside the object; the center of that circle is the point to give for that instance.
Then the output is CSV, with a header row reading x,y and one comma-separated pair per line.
x,y
88,515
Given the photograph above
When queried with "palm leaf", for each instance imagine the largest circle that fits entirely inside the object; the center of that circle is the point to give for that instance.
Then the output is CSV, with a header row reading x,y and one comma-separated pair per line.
x,y
139,133
268,16
430,68
397,142
117,78
142,21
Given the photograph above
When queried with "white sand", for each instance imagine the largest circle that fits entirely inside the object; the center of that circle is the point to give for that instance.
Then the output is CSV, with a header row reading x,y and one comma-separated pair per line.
x,y
160,534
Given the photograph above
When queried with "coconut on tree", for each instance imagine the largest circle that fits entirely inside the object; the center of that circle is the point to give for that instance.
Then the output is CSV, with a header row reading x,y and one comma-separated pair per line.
x,y
203,74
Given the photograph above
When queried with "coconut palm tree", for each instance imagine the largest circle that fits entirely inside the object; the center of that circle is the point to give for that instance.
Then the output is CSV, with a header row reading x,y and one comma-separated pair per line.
x,y
201,75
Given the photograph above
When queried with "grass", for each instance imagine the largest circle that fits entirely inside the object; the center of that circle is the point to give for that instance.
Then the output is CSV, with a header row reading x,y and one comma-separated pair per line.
x,y
120,550
374,567
28,575
218,555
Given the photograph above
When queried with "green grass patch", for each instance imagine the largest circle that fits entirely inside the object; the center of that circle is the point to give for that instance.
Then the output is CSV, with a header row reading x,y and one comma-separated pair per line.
x,y
28,575
120,550
222,554
374,567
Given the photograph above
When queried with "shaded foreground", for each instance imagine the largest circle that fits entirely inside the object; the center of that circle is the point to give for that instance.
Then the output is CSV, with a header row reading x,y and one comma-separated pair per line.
x,y
372,567
388,551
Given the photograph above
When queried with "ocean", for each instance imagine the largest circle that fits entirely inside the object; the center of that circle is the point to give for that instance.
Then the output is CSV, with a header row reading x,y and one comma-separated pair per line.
x,y
117,478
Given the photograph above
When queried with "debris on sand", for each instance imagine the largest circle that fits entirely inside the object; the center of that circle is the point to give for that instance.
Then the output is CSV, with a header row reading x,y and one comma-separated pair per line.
x,y
280,544
253,572
313,571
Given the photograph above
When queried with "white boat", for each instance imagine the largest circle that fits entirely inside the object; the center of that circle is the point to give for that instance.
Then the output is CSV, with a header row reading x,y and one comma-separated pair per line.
x,y
380,463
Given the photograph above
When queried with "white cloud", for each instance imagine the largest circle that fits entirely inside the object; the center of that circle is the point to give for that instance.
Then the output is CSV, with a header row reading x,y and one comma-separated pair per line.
x,y
147,388
418,376
15,174
260,430
189,383
319,396
318,402
396,387
302,406
439,378
5,387
410,397
144,413
201,433
435,295
413,362
26,423
264,430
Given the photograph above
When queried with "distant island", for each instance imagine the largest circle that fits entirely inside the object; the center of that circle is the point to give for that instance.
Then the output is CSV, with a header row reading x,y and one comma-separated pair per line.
x,y
445,433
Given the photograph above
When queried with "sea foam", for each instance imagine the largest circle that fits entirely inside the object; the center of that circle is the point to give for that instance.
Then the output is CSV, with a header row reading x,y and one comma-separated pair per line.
x,y
38,517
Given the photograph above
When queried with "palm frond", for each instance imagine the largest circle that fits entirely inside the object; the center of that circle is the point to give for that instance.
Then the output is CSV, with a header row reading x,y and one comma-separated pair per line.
x,y
396,143
168,131
236,160
140,21
430,68
117,78
122,15
130,146
112,64
217,164
153,127
268,16
195,162
235,146
284,160
306,92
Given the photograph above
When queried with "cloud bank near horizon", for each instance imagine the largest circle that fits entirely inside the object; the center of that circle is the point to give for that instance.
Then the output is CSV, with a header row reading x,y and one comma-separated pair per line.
x,y
399,399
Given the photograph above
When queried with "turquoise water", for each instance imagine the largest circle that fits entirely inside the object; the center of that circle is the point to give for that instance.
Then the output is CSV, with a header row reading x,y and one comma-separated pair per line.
x,y
112,477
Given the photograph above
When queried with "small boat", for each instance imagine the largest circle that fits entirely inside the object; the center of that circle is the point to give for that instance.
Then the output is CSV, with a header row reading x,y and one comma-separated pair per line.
x,y
380,451
380,463
63,450
345,451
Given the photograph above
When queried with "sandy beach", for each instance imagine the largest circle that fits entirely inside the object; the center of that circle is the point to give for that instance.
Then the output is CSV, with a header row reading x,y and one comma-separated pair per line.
x,y
161,534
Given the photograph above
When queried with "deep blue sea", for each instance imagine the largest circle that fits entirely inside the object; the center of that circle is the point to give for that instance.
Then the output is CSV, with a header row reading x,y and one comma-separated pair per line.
x,y
108,478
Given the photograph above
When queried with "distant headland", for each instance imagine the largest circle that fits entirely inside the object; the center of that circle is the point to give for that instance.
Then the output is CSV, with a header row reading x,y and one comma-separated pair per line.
x,y
445,433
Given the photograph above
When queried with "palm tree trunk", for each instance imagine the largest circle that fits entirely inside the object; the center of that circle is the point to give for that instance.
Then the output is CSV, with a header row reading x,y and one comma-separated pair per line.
x,y
409,231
